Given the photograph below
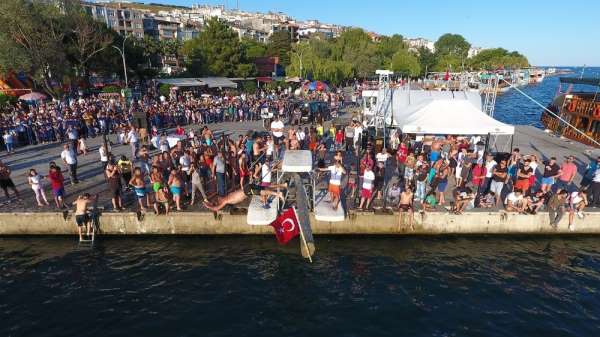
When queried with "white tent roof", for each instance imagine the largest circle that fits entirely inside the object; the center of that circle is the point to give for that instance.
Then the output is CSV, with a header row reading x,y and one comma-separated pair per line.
x,y
449,116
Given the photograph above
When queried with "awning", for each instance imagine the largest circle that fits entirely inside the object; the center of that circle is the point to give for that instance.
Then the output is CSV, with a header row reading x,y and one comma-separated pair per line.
x,y
449,117
211,82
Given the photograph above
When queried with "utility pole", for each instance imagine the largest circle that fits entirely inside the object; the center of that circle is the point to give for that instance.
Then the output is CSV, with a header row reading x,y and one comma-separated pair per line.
x,y
122,52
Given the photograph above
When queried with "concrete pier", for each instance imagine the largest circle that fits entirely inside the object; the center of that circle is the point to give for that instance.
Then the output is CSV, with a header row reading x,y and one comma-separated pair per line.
x,y
205,223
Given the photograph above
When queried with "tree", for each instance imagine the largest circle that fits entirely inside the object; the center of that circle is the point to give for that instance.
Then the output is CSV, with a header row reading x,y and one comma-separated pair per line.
x,y
355,47
152,49
496,58
85,37
280,45
389,45
427,60
252,49
170,48
453,45
405,62
216,51
32,34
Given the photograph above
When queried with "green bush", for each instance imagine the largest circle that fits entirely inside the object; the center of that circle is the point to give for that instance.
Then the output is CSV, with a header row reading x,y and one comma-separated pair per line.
x,y
7,99
164,89
110,89
248,87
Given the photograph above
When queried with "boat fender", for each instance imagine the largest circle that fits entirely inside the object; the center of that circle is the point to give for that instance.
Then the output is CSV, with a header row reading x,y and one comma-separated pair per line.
x,y
597,111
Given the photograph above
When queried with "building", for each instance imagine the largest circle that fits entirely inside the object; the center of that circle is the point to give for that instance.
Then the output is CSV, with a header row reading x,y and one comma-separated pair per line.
x,y
415,44
120,18
473,51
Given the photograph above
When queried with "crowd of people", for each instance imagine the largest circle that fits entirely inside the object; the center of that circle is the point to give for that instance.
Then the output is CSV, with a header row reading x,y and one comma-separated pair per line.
x,y
190,164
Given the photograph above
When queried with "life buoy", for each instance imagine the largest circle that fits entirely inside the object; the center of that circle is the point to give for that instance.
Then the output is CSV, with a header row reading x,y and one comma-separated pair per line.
x,y
572,106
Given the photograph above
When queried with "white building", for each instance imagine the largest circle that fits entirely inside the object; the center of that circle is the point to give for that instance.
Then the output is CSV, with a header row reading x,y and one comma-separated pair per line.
x,y
474,51
416,43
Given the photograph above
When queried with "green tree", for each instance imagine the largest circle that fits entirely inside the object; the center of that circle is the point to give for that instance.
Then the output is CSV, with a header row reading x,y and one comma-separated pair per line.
x,y
405,62
447,62
355,47
389,45
84,37
252,49
170,48
216,51
452,44
427,60
152,49
280,45
496,58
32,33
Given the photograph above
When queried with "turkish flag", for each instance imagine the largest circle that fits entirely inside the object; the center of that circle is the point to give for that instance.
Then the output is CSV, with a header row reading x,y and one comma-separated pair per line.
x,y
286,226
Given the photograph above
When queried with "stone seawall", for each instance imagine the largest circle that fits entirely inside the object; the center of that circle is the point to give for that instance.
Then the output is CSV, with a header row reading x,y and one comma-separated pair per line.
x,y
202,223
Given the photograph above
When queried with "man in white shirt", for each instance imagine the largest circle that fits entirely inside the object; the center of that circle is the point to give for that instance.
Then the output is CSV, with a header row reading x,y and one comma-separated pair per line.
x,y
515,202
104,155
490,163
277,130
366,193
132,138
69,158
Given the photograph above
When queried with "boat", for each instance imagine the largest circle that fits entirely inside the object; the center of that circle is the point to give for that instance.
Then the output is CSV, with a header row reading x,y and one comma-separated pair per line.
x,y
579,106
536,75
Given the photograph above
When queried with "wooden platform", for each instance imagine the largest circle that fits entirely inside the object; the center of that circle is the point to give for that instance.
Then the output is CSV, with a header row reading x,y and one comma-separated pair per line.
x,y
258,215
297,161
325,212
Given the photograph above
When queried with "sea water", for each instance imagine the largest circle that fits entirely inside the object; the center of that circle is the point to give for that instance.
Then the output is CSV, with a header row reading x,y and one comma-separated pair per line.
x,y
251,286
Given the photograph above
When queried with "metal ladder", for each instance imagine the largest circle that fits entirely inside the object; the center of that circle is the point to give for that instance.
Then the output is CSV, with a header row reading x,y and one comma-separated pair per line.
x,y
491,91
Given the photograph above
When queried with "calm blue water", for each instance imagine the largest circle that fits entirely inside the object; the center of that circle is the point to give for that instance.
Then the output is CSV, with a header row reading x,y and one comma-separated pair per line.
x,y
249,286
514,108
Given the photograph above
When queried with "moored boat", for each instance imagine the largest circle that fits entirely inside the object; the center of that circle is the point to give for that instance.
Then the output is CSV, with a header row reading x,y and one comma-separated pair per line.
x,y
580,108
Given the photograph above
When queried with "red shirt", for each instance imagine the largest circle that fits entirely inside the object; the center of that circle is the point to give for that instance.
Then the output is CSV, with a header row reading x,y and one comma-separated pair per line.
x,y
56,180
339,136
180,131
402,153
478,171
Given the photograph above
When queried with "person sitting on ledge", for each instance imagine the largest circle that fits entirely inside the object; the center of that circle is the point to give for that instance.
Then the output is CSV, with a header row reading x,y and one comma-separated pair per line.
x,y
464,201
406,205
487,200
515,202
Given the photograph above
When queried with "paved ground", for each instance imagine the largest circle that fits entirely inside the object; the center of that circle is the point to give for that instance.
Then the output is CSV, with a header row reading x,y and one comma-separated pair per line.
x,y
528,139
89,170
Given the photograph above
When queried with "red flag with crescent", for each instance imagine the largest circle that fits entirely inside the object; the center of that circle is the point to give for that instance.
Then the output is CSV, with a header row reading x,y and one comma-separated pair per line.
x,y
286,226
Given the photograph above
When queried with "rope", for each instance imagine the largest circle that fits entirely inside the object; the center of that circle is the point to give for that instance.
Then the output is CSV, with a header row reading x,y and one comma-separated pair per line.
x,y
552,113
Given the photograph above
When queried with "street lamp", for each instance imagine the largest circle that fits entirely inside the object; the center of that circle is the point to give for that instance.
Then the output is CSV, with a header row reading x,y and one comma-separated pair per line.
x,y
300,59
122,52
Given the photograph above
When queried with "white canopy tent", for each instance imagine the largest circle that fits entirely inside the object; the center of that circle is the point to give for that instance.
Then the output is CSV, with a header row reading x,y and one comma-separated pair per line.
x,y
448,117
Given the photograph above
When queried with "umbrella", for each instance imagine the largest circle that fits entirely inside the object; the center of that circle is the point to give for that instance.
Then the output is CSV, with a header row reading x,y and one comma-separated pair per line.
x,y
316,85
33,97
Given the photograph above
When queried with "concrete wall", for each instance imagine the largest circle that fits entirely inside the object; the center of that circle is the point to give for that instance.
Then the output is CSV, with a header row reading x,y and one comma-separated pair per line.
x,y
356,223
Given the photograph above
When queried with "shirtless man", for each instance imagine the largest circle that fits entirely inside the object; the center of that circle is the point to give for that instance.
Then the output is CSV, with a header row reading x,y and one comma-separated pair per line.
x,y
175,184
406,205
139,186
232,198
82,218
161,197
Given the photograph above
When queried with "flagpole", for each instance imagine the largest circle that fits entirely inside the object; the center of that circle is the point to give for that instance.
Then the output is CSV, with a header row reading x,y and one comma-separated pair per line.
x,y
302,236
